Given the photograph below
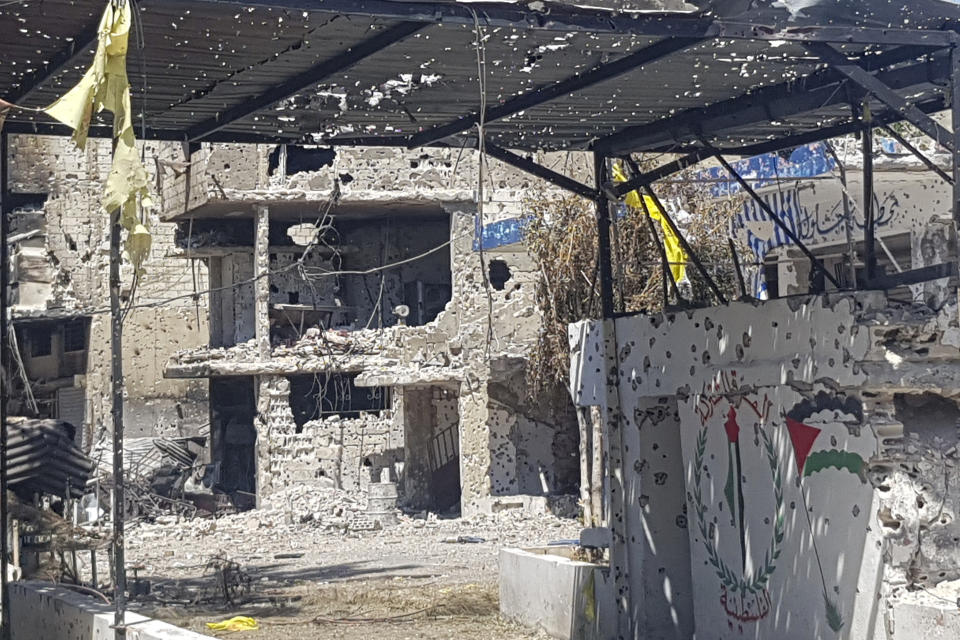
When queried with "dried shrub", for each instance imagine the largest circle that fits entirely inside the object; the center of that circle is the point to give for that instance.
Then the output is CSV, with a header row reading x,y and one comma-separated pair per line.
x,y
561,236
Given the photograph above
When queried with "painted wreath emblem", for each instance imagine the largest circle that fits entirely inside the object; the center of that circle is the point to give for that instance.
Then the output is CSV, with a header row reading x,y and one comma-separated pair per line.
x,y
732,580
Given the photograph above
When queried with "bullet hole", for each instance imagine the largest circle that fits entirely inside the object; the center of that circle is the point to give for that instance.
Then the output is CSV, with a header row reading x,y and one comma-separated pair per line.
x,y
346,178
498,273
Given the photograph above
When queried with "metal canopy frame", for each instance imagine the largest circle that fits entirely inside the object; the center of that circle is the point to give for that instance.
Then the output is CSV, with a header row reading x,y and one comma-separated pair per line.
x,y
858,62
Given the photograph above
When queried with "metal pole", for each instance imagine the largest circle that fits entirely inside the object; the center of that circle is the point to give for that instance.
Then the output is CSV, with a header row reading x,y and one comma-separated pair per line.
x,y
116,412
814,260
664,261
694,258
736,264
869,250
919,155
848,221
955,156
4,393
603,238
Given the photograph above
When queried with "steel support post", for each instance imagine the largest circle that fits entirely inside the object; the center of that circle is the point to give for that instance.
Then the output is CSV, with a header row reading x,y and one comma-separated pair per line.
x,y
5,391
955,156
869,244
603,238
116,412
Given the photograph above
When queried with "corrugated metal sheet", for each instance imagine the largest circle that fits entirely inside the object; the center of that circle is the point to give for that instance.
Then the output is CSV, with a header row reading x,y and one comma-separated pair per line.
x,y
201,58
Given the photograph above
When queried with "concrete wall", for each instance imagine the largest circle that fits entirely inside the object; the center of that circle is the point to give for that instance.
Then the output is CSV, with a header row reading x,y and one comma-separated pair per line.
x,y
43,611
547,589
807,469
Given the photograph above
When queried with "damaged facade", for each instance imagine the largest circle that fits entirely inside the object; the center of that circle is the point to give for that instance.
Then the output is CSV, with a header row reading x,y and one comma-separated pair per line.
x,y
794,457
361,329
59,254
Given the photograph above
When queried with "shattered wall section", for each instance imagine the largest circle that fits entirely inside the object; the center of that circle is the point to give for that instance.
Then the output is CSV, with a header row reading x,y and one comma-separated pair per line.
x,y
76,239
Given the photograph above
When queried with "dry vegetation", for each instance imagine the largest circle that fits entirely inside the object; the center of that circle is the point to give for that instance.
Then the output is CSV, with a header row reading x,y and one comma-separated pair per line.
x,y
561,235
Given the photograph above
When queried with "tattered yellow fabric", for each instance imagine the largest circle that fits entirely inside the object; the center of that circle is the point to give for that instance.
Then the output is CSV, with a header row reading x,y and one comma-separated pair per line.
x,y
239,623
676,256
105,86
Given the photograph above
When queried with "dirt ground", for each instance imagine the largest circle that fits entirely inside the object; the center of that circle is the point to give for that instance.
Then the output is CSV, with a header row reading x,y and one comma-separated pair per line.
x,y
433,578
364,608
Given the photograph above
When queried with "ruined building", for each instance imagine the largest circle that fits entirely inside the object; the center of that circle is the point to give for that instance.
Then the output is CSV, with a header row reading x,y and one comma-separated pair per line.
x,y
364,349
362,328
59,247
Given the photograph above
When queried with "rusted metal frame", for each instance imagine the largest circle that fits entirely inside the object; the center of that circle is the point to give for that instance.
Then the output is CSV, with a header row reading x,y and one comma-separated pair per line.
x,y
816,91
879,90
544,94
814,260
694,258
551,176
116,412
930,164
664,261
603,240
344,60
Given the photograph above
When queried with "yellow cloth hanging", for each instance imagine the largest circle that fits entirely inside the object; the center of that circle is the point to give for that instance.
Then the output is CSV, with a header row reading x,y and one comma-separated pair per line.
x,y
239,623
105,86
676,256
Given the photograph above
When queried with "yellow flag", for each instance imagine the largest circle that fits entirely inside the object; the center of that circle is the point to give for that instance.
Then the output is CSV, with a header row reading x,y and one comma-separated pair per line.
x,y
671,243
105,86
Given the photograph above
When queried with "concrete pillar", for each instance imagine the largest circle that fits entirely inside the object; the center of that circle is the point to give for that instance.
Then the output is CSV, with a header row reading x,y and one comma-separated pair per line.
x,y
475,458
273,423
261,286
418,426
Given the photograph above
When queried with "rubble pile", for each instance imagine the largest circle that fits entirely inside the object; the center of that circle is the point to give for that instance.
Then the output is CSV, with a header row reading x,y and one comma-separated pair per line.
x,y
322,523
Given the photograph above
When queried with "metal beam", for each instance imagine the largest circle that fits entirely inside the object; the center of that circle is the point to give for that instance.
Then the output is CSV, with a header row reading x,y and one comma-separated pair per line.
x,y
787,142
566,18
32,128
869,245
954,157
545,94
913,276
694,258
603,240
317,73
643,179
878,89
779,102
551,176
930,164
814,260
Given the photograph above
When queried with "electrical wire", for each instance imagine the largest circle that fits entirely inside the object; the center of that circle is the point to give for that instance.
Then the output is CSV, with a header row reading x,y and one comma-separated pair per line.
x,y
481,54
320,274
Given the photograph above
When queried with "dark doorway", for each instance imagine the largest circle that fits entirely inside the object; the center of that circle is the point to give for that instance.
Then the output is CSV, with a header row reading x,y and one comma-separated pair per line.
x,y
233,435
